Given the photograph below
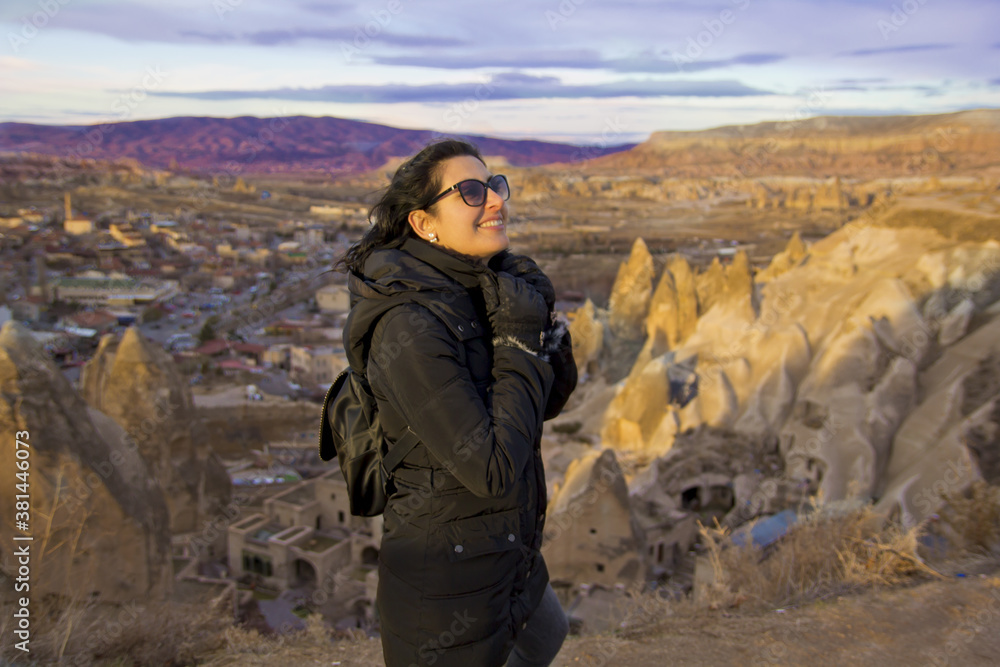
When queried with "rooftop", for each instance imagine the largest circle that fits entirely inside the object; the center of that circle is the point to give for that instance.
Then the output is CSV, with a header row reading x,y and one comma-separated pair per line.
x,y
300,495
318,543
264,533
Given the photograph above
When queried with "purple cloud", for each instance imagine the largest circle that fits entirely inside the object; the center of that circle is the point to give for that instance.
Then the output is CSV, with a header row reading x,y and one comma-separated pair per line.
x,y
898,49
507,86
577,59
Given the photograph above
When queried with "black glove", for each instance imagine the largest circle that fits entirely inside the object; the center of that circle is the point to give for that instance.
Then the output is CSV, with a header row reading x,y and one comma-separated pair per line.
x,y
558,348
517,312
522,266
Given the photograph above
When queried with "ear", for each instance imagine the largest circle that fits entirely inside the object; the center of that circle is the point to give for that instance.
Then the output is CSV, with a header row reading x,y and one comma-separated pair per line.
x,y
421,223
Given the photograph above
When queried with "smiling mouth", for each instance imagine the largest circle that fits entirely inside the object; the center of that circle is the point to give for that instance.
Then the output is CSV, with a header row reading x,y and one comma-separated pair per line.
x,y
492,223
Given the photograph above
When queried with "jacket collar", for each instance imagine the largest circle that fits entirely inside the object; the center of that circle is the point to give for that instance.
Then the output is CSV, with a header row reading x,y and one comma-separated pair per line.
x,y
463,271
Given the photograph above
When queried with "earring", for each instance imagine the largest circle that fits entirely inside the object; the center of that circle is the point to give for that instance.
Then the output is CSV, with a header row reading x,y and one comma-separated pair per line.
x,y
433,238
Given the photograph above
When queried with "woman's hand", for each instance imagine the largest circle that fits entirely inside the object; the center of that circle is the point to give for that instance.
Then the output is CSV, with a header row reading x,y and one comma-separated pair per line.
x,y
522,266
517,311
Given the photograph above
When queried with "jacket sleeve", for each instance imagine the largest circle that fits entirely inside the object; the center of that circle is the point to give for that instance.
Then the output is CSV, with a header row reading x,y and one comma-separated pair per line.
x,y
485,445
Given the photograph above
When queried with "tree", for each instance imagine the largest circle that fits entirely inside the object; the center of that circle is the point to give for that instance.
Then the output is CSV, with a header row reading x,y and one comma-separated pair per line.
x,y
152,314
207,332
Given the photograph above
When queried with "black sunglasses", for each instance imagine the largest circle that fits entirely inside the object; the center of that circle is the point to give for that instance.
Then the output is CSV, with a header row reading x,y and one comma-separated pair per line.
x,y
474,192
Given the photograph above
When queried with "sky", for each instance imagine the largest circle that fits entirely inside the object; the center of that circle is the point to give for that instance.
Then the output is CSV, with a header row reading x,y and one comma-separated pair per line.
x,y
591,72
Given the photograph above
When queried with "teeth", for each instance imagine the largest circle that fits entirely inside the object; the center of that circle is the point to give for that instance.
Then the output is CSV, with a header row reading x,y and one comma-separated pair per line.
x,y
492,223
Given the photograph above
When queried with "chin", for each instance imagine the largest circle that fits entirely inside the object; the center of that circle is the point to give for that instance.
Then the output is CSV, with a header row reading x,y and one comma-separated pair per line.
x,y
497,249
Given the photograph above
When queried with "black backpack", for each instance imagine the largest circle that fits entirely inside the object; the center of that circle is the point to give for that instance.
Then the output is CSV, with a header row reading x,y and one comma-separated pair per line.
x,y
350,429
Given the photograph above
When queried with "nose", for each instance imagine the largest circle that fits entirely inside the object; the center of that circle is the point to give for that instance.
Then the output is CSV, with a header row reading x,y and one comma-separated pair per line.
x,y
493,200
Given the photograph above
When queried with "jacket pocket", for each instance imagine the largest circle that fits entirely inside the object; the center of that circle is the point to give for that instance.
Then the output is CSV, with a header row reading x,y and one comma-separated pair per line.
x,y
480,535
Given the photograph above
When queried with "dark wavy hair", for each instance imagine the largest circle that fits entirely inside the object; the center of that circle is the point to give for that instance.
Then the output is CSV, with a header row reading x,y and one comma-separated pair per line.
x,y
413,185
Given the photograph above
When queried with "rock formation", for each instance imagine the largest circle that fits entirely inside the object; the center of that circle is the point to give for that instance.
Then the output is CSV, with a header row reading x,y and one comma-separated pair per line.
x,y
99,521
867,357
785,260
590,533
587,332
137,384
673,310
630,295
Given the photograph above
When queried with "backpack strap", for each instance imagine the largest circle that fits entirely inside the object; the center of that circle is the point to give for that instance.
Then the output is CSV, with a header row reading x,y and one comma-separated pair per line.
x,y
398,451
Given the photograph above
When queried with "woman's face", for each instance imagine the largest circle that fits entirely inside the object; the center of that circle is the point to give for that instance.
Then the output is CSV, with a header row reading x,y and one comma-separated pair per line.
x,y
477,231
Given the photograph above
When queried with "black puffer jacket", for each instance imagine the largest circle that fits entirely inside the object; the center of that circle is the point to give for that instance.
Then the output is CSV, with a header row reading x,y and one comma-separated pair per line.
x,y
460,568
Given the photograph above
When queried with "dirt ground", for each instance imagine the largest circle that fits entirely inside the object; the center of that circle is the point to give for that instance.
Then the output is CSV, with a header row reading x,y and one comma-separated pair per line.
x,y
955,621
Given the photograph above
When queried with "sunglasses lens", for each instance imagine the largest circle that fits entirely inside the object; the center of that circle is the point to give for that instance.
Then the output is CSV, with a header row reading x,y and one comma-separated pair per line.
x,y
499,185
473,192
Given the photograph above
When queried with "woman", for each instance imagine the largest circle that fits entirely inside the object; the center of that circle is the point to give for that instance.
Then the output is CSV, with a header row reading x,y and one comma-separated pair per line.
x,y
470,362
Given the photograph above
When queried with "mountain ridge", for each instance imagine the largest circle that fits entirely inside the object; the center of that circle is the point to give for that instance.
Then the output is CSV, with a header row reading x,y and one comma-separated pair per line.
x,y
249,144
822,146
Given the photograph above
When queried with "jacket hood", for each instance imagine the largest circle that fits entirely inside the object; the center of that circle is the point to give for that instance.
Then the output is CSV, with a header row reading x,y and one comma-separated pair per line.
x,y
414,272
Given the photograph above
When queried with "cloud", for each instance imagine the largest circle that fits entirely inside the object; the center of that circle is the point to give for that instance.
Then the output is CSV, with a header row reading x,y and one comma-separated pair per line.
x,y
293,36
326,7
576,59
148,23
883,87
858,81
505,86
682,62
897,49
10,64
647,63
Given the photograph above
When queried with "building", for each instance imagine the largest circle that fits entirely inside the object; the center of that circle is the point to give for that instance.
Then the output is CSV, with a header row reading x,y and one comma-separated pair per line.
x,y
78,226
75,226
310,236
98,321
333,299
316,366
126,235
113,291
304,536
278,356
248,355
327,210
28,309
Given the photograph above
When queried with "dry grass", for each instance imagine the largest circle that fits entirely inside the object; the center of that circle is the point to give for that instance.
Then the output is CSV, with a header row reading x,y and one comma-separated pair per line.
x,y
820,556
970,521
167,635
87,633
